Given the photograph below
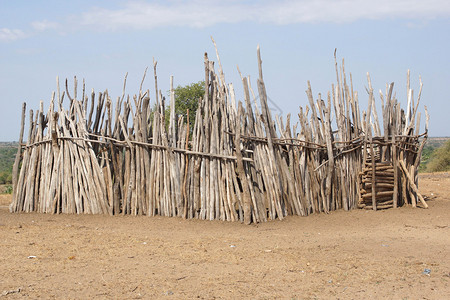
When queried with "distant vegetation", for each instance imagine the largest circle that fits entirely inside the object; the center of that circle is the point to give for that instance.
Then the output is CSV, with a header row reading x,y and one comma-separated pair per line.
x,y
433,143
7,156
426,154
438,159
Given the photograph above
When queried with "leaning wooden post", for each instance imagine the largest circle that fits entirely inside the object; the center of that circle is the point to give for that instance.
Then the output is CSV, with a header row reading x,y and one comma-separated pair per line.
x,y
412,184
186,170
413,197
56,201
240,167
15,170
172,134
329,138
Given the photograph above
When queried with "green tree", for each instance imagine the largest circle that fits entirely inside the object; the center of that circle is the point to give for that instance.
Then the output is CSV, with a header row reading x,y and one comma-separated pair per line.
x,y
186,98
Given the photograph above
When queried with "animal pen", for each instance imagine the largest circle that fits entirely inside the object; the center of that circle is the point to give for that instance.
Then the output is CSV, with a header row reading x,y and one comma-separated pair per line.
x,y
237,163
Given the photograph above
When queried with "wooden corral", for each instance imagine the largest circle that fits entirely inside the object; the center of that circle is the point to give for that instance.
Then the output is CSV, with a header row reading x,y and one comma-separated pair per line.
x,y
238,163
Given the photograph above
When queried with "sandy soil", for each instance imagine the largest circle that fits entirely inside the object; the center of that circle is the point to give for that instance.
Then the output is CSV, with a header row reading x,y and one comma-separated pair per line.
x,y
393,254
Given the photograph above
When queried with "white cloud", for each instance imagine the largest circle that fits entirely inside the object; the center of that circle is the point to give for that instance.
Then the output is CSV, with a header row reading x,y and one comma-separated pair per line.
x,y
9,35
145,15
141,15
200,13
44,25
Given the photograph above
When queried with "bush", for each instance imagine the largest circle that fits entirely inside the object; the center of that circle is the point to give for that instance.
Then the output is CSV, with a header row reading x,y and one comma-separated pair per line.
x,y
8,189
440,159
3,177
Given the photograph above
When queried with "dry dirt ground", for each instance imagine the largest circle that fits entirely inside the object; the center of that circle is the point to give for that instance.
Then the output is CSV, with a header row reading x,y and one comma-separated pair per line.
x,y
393,254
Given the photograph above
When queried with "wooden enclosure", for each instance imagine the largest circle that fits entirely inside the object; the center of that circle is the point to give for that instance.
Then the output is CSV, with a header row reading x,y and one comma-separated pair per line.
x,y
99,155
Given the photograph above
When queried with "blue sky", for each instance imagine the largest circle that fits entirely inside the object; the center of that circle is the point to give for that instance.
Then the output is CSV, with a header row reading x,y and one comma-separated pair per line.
x,y
102,40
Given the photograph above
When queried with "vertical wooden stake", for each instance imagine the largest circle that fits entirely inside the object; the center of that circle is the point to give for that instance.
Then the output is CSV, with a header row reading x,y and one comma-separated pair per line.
x,y
240,167
374,190
395,165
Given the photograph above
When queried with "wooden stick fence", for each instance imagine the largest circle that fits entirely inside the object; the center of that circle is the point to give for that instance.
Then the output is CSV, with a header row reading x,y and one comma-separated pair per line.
x,y
237,163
